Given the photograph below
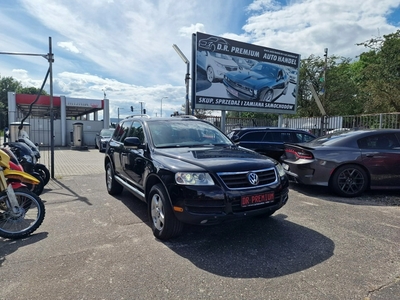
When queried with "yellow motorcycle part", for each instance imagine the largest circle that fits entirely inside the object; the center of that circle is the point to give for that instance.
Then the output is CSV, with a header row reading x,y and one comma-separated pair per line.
x,y
4,160
19,175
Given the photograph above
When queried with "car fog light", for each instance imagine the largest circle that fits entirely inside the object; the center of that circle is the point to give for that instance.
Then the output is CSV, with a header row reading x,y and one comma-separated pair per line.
x,y
178,209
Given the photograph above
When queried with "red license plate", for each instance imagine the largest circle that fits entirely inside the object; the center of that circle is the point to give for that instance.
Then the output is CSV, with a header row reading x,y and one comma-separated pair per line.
x,y
257,199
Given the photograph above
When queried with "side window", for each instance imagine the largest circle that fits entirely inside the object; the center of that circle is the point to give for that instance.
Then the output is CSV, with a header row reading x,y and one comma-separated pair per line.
x,y
280,137
276,137
379,141
122,130
118,132
285,137
255,136
301,138
137,131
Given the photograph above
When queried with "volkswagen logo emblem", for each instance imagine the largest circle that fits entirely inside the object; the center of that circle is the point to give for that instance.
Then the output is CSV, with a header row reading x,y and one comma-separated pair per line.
x,y
253,178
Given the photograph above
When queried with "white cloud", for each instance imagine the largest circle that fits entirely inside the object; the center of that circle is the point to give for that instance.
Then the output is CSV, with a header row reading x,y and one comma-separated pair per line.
x,y
69,46
125,47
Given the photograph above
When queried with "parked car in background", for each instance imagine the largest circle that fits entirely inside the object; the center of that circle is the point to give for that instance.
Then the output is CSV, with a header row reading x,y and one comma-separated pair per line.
x,y
102,138
269,141
215,64
349,162
263,82
292,73
337,130
188,171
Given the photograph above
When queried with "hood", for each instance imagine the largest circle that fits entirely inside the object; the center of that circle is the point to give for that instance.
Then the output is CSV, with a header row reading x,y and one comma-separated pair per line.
x,y
212,159
251,77
225,62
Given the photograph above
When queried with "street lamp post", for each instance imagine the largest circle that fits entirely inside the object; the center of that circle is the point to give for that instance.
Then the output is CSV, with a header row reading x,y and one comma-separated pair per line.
x,y
187,76
161,106
118,113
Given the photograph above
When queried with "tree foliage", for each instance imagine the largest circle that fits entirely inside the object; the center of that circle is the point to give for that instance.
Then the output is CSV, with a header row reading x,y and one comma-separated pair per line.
x,y
9,84
380,74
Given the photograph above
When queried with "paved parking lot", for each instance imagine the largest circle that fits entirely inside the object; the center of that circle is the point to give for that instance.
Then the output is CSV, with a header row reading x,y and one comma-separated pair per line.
x,y
95,246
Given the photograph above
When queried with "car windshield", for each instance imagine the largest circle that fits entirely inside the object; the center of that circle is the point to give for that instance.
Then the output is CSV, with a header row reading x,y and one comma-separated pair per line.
x,y
166,134
107,132
219,55
265,69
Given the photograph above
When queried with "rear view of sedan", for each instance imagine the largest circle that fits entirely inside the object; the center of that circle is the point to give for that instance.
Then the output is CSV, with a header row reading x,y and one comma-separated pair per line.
x,y
348,162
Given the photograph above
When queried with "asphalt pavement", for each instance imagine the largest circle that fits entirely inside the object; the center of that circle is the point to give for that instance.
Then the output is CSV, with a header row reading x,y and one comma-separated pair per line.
x,y
95,246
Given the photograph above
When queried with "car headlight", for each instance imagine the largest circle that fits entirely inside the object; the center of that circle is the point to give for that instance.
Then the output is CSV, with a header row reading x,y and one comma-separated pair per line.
x,y
280,170
188,178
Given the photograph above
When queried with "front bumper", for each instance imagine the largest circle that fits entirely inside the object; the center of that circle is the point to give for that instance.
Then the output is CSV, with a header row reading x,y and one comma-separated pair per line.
x,y
212,205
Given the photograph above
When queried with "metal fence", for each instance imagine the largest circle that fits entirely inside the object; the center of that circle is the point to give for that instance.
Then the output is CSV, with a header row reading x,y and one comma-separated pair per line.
x,y
316,125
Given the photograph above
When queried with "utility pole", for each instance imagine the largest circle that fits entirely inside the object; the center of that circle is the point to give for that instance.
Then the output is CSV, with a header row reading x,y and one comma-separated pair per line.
x,y
187,76
141,107
323,119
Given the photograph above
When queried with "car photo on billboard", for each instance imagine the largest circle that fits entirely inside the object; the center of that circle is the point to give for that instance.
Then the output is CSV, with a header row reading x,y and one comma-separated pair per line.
x,y
236,76
215,64
263,82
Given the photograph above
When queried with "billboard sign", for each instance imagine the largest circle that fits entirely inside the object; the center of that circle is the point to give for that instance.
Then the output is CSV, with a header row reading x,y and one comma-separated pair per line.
x,y
232,75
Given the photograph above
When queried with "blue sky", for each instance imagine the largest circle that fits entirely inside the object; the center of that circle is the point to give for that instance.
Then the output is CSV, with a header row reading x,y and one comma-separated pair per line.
x,y
125,47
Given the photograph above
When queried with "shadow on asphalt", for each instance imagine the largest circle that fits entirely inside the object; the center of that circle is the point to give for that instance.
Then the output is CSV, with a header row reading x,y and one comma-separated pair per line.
x,y
63,190
249,248
8,246
370,197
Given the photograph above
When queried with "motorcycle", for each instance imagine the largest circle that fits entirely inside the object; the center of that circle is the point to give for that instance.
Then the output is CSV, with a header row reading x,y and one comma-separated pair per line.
x,y
22,159
26,159
38,167
21,211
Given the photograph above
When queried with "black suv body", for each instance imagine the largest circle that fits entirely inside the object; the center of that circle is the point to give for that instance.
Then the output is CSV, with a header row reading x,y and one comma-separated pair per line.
x,y
188,171
269,141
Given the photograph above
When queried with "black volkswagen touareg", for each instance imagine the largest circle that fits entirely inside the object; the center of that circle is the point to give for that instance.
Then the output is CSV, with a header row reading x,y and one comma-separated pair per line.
x,y
188,171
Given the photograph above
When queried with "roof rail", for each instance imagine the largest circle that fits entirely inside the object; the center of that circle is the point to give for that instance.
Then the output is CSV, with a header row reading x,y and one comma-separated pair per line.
x,y
184,116
138,116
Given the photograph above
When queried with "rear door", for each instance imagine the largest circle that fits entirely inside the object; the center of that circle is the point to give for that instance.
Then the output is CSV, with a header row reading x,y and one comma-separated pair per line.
x,y
381,156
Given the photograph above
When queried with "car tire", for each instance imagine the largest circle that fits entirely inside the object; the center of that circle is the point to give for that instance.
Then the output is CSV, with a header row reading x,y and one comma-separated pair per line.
x,y
163,221
267,96
210,74
36,188
113,187
43,171
349,181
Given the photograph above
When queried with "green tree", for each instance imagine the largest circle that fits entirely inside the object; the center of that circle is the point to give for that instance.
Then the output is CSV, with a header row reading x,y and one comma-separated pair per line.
x,y
7,84
380,74
31,91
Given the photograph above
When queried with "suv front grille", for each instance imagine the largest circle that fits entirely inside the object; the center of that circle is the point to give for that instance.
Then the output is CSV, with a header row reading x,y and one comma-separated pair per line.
x,y
239,180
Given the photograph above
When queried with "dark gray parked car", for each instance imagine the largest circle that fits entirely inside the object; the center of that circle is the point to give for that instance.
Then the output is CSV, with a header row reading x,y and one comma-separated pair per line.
x,y
349,162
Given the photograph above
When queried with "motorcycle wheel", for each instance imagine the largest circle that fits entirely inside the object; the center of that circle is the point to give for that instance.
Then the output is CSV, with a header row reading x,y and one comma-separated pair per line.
x,y
36,188
43,172
30,214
